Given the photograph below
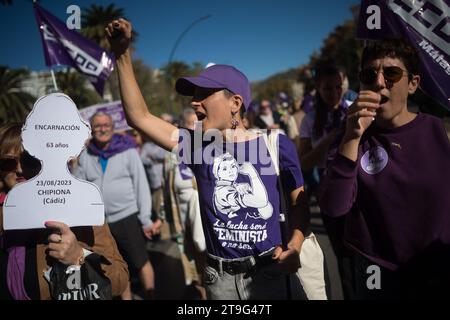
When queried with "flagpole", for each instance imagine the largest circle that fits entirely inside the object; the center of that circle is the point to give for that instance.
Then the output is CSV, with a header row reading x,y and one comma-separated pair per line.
x,y
54,80
63,46
51,70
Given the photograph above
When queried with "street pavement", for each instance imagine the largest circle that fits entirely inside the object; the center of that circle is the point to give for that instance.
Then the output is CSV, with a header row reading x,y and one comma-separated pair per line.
x,y
319,230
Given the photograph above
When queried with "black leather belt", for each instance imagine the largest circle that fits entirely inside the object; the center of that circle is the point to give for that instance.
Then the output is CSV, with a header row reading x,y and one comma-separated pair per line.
x,y
240,266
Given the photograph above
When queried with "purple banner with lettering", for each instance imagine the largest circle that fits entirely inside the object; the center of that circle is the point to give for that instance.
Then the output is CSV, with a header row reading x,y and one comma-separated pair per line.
x,y
114,109
426,24
67,47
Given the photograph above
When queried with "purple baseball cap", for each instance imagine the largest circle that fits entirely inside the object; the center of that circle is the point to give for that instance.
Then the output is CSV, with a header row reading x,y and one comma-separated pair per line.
x,y
218,76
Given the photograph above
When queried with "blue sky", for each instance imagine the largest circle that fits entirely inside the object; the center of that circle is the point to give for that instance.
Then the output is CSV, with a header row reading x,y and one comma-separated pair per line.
x,y
259,37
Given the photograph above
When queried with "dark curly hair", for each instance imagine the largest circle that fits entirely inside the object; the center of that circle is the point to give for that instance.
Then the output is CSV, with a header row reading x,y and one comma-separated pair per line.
x,y
393,48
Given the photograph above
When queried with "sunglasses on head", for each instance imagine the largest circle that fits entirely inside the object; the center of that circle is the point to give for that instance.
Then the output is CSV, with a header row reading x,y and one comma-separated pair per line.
x,y
391,75
8,164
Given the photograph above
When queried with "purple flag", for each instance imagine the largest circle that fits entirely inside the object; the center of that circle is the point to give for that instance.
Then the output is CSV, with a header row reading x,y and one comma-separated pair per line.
x,y
426,24
67,47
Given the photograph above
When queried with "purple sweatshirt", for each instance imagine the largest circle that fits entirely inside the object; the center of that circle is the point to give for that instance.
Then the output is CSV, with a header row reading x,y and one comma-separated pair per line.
x,y
397,195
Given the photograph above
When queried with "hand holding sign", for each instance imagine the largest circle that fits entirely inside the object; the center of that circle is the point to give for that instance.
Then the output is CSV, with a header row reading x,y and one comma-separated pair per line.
x,y
63,245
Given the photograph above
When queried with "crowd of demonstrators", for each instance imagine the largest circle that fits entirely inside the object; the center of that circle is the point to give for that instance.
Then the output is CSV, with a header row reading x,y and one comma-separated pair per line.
x,y
298,114
152,157
112,162
286,108
268,118
232,193
320,128
182,212
26,255
250,116
364,155
137,138
175,206
389,180
348,94
274,115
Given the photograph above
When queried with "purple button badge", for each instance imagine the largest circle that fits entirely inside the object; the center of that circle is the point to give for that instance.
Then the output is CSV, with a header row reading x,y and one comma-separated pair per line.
x,y
374,160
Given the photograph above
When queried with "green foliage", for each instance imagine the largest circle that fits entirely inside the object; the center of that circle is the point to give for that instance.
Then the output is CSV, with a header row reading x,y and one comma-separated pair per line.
x,y
77,88
158,87
271,87
342,47
94,20
149,85
15,103
171,101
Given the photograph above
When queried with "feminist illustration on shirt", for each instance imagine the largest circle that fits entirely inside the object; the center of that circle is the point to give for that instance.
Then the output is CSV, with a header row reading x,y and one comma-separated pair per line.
x,y
230,196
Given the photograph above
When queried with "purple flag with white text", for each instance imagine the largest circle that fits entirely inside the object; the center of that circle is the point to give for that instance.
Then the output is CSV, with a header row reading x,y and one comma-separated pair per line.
x,y
67,47
426,24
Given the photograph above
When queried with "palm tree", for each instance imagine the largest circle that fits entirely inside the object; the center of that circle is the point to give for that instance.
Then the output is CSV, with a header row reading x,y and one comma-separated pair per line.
x,y
15,103
173,71
10,2
94,20
75,86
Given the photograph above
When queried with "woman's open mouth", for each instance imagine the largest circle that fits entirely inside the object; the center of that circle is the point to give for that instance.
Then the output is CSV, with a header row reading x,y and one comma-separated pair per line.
x,y
384,99
200,116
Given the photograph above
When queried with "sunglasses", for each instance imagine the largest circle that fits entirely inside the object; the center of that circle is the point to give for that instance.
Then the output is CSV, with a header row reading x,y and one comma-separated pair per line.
x,y
28,161
391,75
98,127
8,164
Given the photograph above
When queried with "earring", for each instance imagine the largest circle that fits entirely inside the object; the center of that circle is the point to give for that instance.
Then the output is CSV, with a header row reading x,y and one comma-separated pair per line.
x,y
234,122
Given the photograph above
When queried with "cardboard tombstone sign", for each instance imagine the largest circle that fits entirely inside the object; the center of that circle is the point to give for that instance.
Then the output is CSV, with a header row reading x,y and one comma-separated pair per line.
x,y
54,133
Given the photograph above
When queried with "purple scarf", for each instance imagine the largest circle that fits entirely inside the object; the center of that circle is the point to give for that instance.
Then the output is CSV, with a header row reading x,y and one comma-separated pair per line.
x,y
15,273
15,270
118,144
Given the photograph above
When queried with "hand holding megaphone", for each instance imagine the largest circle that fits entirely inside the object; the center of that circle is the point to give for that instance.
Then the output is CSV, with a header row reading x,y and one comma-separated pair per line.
x,y
119,34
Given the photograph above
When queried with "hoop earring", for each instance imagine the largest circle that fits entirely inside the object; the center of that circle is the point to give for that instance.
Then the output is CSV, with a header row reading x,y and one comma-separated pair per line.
x,y
234,122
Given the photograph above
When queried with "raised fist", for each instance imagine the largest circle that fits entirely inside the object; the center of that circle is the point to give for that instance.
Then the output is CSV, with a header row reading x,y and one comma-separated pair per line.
x,y
119,34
